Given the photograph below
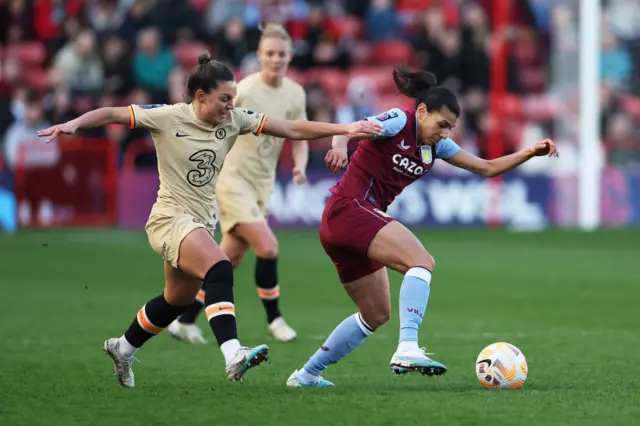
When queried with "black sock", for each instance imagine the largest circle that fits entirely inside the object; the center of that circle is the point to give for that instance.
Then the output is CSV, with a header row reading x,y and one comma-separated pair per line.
x,y
191,314
152,318
221,312
266,276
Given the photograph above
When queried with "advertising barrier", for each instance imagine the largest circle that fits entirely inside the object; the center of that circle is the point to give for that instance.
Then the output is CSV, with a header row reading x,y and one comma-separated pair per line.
x,y
435,201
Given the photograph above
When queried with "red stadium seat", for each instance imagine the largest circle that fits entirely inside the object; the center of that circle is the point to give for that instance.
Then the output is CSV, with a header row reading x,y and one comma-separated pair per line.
x,y
200,5
631,105
360,52
348,26
413,5
297,76
187,53
392,52
28,53
332,79
37,78
380,76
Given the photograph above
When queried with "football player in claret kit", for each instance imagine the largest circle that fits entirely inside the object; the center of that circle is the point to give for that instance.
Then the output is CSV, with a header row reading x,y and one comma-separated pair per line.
x,y
362,239
192,140
247,179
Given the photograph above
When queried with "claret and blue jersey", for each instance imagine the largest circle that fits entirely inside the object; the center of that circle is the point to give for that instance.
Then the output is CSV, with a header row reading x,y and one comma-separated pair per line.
x,y
383,166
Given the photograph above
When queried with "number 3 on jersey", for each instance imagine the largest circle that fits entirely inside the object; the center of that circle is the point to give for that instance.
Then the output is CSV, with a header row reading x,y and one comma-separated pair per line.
x,y
205,170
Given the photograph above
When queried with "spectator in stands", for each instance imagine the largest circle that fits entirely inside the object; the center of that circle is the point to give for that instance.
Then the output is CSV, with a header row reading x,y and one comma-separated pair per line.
x,y
58,106
222,11
17,22
23,131
276,11
141,14
232,44
476,39
178,20
382,21
615,62
79,65
361,101
106,16
448,65
428,39
319,47
152,64
9,83
623,18
622,142
117,67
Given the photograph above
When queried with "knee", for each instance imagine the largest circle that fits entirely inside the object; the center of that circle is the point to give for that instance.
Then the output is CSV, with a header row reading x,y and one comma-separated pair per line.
x,y
378,317
236,258
266,249
420,260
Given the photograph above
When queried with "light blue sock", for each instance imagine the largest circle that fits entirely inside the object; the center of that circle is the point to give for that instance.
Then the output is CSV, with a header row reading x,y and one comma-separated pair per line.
x,y
414,295
347,336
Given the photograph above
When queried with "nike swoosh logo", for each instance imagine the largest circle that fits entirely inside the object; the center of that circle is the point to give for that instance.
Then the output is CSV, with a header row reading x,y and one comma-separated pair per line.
x,y
488,361
181,135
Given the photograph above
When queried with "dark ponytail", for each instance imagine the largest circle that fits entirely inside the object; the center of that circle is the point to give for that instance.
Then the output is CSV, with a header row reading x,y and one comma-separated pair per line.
x,y
204,58
422,86
412,84
207,76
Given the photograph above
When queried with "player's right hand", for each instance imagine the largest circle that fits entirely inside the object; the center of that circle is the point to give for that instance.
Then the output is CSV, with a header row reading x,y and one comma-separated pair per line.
x,y
54,131
336,159
364,129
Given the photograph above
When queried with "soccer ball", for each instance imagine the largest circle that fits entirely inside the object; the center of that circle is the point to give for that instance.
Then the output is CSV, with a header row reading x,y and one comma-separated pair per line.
x,y
501,366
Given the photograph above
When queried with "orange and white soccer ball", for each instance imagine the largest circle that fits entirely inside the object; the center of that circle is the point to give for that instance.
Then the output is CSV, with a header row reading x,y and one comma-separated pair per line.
x,y
501,366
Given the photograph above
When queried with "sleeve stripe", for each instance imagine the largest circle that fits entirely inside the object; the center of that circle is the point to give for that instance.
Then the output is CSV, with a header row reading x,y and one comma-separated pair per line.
x,y
259,131
132,118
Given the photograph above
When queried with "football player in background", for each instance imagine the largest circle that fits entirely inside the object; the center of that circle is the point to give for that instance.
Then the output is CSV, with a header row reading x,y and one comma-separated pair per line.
x,y
246,183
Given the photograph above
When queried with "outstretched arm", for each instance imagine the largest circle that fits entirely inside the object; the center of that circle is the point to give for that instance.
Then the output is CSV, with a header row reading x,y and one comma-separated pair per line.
x,y
300,130
498,166
96,118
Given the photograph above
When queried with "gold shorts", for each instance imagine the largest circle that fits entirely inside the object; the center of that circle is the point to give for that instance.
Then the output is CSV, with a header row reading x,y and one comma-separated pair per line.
x,y
166,232
241,205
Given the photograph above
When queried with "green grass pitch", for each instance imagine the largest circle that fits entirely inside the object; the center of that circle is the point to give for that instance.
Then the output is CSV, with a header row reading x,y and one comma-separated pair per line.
x,y
568,300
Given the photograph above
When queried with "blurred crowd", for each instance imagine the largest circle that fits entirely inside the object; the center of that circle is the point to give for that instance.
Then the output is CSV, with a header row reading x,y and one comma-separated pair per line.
x,y
61,58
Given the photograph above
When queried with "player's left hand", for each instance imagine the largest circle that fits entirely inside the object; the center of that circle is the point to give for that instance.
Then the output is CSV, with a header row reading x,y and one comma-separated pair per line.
x,y
363,129
54,131
545,147
299,176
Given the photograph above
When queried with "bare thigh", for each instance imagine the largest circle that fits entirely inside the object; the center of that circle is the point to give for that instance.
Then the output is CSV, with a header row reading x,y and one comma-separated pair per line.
x,y
198,253
260,237
396,247
234,247
371,295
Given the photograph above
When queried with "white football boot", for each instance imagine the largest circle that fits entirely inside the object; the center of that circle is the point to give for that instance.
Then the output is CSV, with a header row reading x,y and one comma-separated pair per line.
x,y
121,363
416,360
281,331
296,381
245,359
189,333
